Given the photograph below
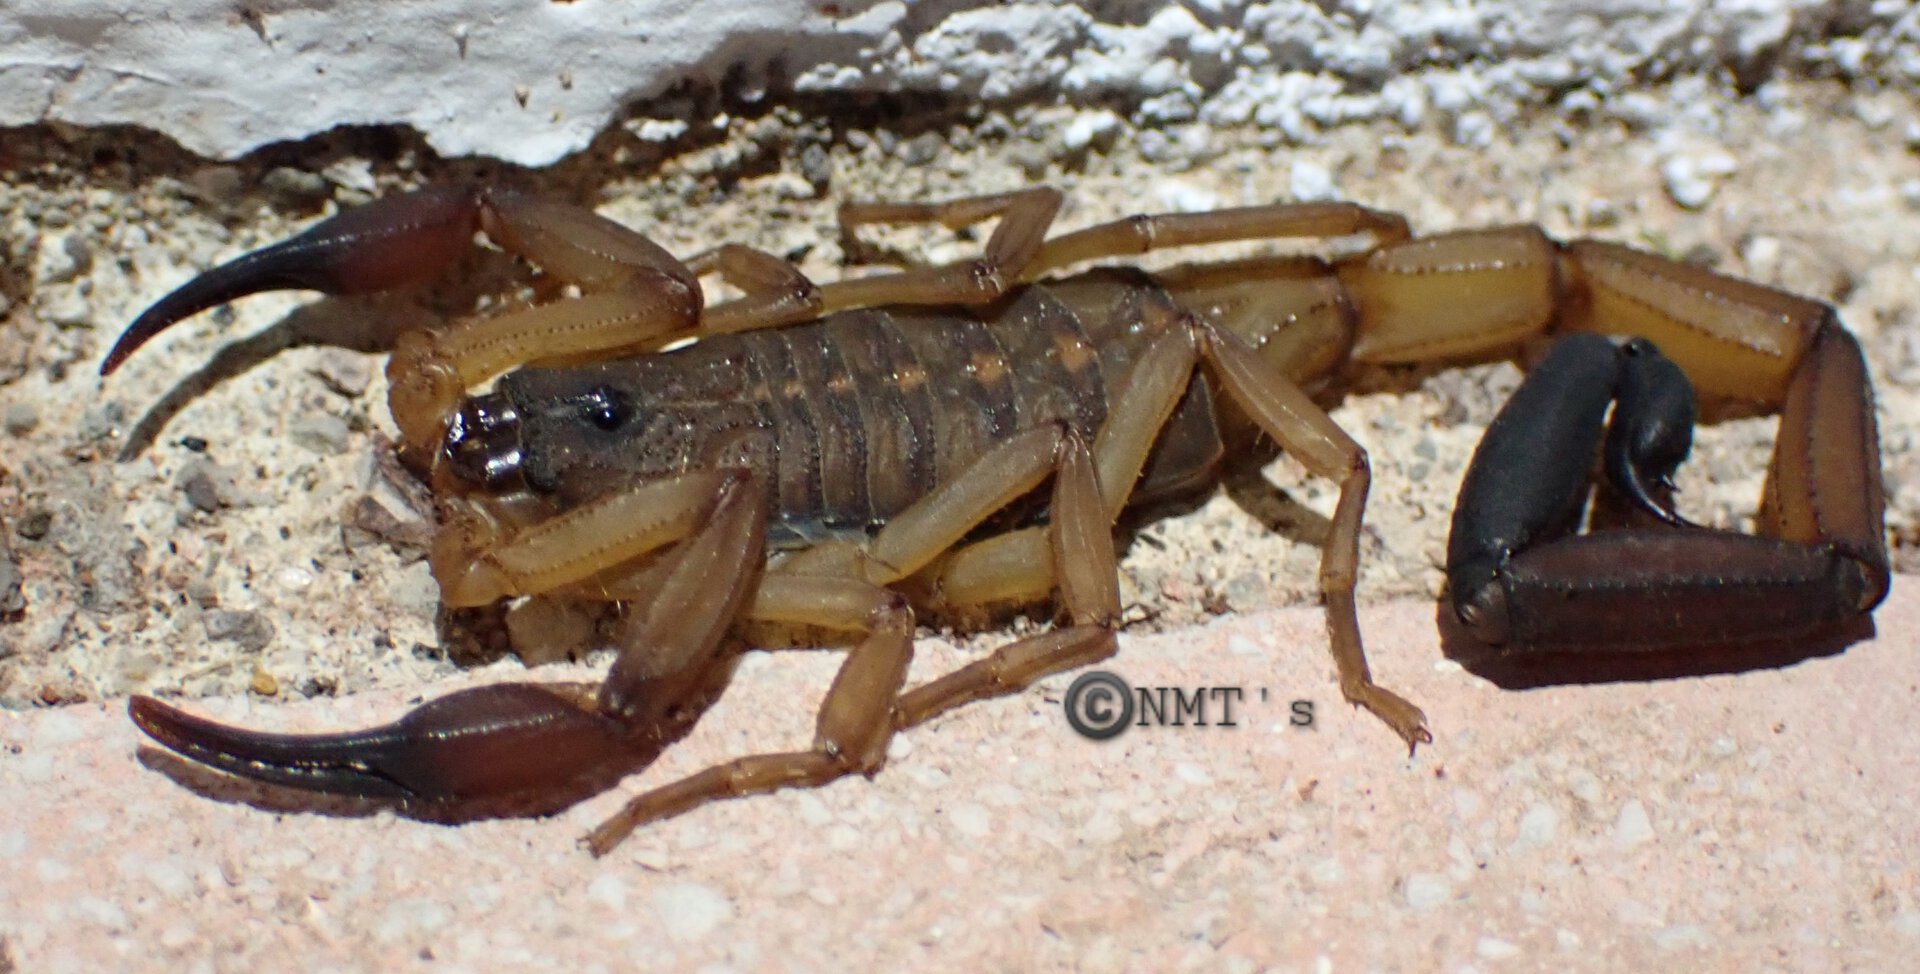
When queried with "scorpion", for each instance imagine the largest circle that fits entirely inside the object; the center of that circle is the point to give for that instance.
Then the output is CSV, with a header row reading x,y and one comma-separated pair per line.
x,y
842,457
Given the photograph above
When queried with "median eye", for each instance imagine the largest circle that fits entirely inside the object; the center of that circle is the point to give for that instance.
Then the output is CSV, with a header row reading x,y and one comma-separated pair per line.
x,y
608,408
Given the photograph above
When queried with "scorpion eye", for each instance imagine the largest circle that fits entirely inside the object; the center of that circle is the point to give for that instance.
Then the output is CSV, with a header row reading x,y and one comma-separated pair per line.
x,y
607,408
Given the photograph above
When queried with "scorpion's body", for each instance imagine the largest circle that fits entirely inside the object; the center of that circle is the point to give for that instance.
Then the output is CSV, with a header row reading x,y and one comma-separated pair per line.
x,y
859,414
907,432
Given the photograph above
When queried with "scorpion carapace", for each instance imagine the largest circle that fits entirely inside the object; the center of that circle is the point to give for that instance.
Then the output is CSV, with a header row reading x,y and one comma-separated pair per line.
x,y
874,426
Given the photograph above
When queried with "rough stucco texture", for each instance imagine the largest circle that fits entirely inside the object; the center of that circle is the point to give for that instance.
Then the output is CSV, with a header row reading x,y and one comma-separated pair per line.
x,y
531,82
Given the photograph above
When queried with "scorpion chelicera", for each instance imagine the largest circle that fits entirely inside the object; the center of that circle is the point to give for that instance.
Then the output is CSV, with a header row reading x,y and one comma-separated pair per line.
x,y
836,456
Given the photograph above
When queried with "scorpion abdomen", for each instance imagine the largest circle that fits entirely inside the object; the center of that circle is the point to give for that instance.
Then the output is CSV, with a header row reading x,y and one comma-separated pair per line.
x,y
859,414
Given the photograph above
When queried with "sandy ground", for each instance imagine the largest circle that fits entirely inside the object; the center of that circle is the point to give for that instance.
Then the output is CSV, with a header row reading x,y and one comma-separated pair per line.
x,y
221,562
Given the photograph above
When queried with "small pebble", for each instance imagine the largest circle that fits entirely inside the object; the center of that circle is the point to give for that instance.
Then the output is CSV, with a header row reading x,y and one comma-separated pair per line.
x,y
264,683
1692,178
657,129
202,593
296,187
548,631
690,911
1493,948
1539,825
60,258
250,629
1310,181
610,891
34,524
922,149
216,184
899,747
1633,826
1682,936
323,433
12,600
201,492
346,373
21,418
1427,890
65,307
210,487
402,530
1088,128
970,819
816,167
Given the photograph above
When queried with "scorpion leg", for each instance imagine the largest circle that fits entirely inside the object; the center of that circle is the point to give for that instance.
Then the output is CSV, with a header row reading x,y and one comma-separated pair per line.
x,y
854,723
1162,231
1024,215
1011,566
857,717
1286,413
517,744
1081,562
776,292
1018,251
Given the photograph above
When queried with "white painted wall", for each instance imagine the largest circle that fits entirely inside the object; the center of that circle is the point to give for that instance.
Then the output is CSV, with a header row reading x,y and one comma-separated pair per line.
x,y
531,80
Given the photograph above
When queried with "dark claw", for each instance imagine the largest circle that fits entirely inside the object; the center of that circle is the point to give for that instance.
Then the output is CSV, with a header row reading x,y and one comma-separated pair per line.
x,y
1528,478
389,242
1651,432
1523,580
488,742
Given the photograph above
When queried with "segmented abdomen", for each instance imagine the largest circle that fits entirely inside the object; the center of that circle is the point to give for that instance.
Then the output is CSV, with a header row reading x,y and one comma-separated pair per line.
x,y
870,410
854,417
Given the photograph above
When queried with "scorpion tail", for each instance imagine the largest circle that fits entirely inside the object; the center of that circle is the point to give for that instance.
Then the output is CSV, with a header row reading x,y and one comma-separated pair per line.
x,y
389,242
506,741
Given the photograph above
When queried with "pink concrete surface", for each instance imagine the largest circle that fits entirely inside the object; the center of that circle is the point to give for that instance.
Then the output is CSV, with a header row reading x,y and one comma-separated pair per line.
x,y
1763,821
